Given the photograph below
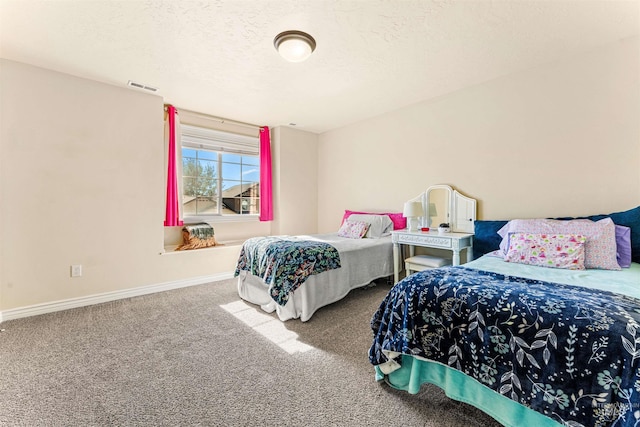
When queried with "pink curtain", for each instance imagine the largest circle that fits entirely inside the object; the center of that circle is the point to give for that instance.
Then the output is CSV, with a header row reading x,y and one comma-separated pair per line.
x,y
266,196
173,215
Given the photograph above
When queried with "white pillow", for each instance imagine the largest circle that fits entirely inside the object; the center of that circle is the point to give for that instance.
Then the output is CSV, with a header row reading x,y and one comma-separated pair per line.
x,y
353,229
381,225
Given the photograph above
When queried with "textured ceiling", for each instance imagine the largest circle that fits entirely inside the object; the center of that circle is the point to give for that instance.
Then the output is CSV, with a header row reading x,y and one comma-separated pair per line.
x,y
373,56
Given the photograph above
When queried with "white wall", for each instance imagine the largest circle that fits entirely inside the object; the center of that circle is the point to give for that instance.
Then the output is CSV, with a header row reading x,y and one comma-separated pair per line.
x,y
82,182
560,139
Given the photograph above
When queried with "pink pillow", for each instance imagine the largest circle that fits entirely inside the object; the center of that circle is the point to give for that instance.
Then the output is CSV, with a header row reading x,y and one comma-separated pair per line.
x,y
399,222
547,250
600,248
353,229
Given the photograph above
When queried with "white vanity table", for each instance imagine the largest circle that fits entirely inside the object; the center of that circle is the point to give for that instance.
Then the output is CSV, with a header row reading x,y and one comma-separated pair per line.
x,y
454,242
440,203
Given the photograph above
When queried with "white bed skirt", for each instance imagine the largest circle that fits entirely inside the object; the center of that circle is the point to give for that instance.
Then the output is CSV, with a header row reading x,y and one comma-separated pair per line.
x,y
302,304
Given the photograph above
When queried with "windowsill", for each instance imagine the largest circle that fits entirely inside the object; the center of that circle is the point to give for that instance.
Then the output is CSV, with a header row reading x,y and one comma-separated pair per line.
x,y
171,249
213,219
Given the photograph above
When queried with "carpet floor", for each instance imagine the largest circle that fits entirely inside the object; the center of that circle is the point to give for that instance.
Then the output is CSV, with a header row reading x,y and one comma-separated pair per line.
x,y
199,356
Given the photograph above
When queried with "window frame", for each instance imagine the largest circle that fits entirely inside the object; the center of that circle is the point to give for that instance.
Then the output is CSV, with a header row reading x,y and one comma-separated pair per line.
x,y
221,142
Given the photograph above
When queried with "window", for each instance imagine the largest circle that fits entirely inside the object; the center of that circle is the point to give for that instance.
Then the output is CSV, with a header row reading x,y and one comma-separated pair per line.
x,y
220,174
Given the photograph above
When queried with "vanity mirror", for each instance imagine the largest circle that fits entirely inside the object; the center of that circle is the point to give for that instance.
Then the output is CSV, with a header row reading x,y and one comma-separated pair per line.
x,y
437,206
443,204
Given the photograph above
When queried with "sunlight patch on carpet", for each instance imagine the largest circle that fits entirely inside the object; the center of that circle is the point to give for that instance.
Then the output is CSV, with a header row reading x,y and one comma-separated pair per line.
x,y
272,329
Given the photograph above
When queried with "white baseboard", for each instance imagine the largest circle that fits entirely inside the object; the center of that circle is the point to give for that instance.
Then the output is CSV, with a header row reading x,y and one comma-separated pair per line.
x,y
50,307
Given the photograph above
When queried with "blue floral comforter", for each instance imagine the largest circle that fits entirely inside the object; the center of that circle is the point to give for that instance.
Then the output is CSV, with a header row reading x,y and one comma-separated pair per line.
x,y
568,352
284,264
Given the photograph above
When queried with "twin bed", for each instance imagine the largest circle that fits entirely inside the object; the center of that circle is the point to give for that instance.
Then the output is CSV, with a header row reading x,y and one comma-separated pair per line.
x,y
279,274
527,344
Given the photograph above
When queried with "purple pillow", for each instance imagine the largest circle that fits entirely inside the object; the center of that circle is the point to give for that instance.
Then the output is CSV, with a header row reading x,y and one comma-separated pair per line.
x,y
623,246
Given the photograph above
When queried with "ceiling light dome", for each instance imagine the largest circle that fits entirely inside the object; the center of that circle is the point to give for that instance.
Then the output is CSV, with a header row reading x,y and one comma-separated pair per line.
x,y
294,46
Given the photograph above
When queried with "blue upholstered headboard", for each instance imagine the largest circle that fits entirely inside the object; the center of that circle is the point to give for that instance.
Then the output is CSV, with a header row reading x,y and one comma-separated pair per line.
x,y
486,238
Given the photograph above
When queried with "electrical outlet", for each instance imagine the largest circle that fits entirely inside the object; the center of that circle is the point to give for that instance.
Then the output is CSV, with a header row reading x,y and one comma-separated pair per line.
x,y
76,270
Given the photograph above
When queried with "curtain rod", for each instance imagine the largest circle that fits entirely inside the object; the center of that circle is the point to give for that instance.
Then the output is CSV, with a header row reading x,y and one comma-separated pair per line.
x,y
218,119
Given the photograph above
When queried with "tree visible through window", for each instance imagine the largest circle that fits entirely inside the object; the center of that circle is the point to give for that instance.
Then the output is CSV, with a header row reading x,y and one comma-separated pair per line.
x,y
220,176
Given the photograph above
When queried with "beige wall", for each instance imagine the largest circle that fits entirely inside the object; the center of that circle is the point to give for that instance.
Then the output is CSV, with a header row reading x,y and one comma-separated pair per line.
x,y
295,166
560,139
82,182
82,168
82,162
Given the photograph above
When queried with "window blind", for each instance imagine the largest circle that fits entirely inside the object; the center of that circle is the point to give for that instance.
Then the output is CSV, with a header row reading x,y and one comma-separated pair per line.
x,y
209,139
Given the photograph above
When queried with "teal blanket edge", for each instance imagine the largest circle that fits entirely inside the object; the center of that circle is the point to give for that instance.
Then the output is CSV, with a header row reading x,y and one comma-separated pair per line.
x,y
414,372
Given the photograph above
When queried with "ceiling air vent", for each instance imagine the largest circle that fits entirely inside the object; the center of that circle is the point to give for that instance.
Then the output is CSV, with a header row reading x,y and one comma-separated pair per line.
x,y
141,86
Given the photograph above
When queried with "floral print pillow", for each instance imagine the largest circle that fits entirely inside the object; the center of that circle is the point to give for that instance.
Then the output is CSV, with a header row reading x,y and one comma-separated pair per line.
x,y
353,229
547,250
600,249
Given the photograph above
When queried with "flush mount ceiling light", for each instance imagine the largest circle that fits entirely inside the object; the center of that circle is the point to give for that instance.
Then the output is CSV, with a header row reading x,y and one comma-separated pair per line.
x,y
294,46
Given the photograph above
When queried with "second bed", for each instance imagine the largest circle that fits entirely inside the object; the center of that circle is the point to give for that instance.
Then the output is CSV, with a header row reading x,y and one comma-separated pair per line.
x,y
361,261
